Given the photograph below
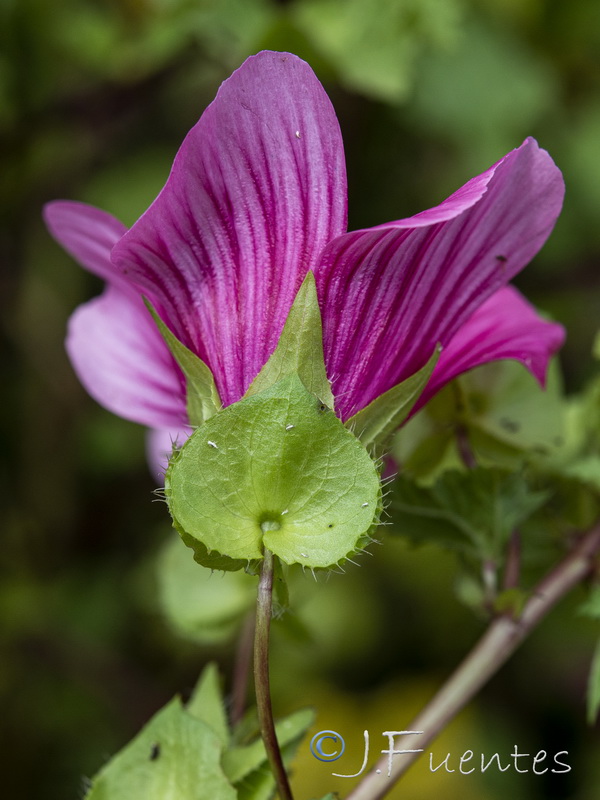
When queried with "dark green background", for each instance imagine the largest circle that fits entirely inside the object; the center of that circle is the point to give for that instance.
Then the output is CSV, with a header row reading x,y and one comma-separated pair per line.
x,y
95,98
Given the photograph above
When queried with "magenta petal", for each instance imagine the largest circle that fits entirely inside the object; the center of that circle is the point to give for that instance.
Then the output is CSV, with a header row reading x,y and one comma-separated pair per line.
x,y
87,233
256,191
159,446
505,326
123,362
391,293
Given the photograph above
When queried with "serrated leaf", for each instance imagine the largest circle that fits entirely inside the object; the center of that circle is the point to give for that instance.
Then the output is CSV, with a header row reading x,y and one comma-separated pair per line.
x,y
201,605
174,757
473,512
276,470
240,762
202,396
206,703
593,688
300,348
374,424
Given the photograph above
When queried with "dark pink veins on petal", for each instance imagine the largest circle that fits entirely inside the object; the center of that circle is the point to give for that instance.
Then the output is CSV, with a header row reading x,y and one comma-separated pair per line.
x,y
257,190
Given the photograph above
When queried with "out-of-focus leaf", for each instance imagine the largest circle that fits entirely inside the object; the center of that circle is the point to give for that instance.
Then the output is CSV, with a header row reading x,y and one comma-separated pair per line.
x,y
489,90
374,43
201,605
239,762
501,409
591,606
505,401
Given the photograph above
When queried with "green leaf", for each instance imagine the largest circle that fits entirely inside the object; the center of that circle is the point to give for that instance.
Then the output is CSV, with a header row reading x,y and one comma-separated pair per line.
x,y
198,605
300,348
374,44
206,702
276,470
505,401
585,470
591,606
593,688
507,418
174,757
202,396
374,424
473,512
240,762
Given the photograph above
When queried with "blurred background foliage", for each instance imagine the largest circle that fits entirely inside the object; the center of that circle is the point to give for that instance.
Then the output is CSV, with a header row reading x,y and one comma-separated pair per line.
x,y
95,97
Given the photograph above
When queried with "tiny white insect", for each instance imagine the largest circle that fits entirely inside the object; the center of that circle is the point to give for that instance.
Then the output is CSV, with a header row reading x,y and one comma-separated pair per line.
x,y
297,134
212,444
304,555
289,427
364,505
284,512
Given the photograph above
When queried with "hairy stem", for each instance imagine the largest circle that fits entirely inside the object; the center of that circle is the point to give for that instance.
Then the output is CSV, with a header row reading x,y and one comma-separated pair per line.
x,y
261,676
495,647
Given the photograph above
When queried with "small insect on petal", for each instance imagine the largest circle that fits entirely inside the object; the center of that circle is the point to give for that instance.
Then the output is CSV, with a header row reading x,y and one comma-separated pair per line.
x,y
155,751
297,134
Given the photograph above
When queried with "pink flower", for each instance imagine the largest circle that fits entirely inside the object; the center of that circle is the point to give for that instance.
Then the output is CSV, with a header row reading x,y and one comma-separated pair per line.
x,y
256,198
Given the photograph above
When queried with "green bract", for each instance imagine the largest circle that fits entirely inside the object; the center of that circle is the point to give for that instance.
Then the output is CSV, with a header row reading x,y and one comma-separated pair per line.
x,y
202,396
375,424
276,470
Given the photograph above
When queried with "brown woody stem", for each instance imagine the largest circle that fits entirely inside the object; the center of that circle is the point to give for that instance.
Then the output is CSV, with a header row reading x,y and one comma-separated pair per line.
x,y
496,646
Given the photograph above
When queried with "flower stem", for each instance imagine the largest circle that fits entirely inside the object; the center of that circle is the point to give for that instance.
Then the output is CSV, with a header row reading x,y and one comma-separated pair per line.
x,y
261,676
495,647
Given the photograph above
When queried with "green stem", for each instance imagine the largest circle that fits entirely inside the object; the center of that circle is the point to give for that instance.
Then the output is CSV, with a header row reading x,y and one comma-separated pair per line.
x,y
261,676
498,643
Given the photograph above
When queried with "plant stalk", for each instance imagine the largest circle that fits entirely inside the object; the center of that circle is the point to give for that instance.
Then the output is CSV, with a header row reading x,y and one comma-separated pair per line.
x,y
495,647
261,676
